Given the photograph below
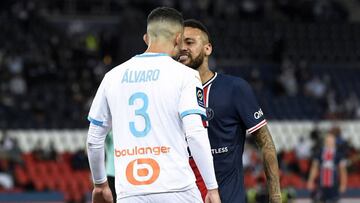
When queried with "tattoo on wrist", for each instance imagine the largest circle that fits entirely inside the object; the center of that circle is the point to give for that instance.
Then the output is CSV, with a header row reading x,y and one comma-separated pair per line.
x,y
275,198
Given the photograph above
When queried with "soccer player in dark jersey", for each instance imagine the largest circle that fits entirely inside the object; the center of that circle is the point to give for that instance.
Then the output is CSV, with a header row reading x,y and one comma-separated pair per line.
x,y
329,166
232,111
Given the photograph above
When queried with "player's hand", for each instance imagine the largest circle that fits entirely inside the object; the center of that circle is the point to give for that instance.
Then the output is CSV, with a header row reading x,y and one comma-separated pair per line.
x,y
212,196
310,185
102,193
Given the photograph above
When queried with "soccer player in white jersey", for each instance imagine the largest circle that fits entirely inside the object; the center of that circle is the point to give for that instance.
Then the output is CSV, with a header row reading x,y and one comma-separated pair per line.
x,y
154,106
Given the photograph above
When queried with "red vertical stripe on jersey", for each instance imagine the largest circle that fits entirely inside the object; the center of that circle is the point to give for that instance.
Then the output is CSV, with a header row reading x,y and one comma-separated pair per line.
x,y
328,172
205,123
199,180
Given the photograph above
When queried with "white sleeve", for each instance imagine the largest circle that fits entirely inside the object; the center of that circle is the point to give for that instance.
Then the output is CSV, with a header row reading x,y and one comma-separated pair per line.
x,y
192,96
96,152
99,112
198,141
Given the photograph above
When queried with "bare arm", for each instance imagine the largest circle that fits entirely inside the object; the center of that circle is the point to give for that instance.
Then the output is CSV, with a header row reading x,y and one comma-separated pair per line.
x,y
314,171
343,177
266,145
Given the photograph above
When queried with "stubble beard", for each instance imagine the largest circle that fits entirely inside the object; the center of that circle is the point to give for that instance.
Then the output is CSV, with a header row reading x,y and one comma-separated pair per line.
x,y
196,62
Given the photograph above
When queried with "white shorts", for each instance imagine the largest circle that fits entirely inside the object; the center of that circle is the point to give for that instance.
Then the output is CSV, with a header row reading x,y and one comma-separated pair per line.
x,y
188,196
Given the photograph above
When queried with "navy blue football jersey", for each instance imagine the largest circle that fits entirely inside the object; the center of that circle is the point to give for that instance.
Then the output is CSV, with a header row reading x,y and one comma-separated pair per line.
x,y
329,179
232,112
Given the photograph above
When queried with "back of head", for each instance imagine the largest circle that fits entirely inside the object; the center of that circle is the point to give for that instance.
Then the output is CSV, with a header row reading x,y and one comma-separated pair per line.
x,y
164,22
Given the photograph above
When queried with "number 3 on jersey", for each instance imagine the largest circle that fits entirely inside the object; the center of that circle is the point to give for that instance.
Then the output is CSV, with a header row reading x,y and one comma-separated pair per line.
x,y
140,112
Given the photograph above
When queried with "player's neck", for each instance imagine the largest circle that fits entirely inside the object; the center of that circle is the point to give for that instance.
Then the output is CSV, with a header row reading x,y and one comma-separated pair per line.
x,y
205,73
160,48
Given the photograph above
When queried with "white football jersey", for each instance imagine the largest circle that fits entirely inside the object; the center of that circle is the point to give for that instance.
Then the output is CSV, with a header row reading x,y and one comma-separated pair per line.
x,y
144,101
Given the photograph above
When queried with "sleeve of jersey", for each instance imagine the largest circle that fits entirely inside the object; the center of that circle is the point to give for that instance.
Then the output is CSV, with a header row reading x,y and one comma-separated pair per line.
x,y
95,150
198,142
248,107
99,112
192,97
317,156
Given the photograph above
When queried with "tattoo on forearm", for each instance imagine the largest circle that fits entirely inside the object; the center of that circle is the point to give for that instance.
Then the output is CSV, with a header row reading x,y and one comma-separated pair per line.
x,y
265,143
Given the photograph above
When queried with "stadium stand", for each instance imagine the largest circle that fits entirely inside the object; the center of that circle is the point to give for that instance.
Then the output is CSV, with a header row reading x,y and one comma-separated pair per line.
x,y
59,174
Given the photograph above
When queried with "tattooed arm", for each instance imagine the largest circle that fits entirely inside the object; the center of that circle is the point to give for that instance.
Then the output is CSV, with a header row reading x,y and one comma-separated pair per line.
x,y
266,145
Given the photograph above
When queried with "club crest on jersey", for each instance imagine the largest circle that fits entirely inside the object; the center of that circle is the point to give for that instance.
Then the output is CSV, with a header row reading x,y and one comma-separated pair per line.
x,y
209,114
200,97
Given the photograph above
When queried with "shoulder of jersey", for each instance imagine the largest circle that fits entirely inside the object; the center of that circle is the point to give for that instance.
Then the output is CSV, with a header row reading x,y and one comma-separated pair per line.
x,y
183,68
186,68
117,68
235,80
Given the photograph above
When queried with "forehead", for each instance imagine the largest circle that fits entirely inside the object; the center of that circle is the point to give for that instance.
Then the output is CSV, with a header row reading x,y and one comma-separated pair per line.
x,y
190,32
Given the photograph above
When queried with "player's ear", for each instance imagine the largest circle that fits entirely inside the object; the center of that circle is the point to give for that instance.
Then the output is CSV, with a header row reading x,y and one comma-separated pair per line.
x,y
146,39
208,49
178,39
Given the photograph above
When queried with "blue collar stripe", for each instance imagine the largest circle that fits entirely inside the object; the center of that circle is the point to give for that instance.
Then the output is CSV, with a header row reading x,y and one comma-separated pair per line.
x,y
151,55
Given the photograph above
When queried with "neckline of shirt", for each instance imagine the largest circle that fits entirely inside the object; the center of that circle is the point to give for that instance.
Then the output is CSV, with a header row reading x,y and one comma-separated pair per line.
x,y
151,54
210,80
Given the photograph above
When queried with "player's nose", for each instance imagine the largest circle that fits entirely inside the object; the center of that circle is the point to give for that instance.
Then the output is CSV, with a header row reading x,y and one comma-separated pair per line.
x,y
184,47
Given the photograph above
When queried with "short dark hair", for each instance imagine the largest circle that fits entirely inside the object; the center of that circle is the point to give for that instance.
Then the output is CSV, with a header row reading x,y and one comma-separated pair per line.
x,y
197,24
165,13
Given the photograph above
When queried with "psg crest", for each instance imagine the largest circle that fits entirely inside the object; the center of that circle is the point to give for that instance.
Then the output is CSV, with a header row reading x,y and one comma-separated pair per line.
x,y
209,114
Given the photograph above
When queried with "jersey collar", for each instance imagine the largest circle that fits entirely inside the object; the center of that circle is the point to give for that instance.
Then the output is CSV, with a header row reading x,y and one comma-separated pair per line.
x,y
149,54
210,80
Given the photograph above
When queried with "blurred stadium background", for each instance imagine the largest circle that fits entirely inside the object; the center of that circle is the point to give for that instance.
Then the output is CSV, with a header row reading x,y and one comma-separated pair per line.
x,y
301,57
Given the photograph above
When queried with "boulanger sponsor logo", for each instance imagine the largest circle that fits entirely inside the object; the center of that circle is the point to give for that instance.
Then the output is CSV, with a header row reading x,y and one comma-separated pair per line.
x,y
143,171
156,150
258,114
